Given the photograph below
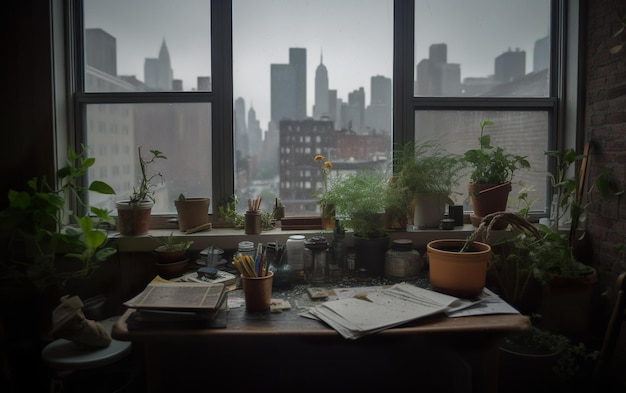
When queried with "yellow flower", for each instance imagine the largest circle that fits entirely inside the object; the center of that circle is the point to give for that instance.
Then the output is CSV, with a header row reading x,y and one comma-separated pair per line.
x,y
324,168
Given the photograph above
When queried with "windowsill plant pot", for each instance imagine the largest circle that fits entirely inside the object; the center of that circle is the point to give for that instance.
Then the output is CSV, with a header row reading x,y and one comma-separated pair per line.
x,y
192,212
492,171
423,182
134,213
455,272
133,218
172,269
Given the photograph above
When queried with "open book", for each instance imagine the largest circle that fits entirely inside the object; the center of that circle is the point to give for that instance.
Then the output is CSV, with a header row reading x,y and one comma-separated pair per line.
x,y
179,296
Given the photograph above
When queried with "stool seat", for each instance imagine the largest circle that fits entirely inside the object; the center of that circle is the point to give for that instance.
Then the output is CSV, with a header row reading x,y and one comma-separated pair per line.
x,y
62,354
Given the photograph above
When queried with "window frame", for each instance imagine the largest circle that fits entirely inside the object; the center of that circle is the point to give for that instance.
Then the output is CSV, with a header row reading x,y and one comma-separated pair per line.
x,y
564,114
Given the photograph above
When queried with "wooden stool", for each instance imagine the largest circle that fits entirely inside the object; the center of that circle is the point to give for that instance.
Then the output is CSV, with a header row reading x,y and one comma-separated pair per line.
x,y
64,356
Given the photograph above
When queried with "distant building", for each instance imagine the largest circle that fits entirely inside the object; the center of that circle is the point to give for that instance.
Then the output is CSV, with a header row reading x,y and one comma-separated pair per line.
x,y
435,76
510,65
541,54
204,83
321,107
158,74
288,88
101,51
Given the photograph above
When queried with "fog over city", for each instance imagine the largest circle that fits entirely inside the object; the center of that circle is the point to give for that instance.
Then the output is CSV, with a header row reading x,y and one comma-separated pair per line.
x,y
354,36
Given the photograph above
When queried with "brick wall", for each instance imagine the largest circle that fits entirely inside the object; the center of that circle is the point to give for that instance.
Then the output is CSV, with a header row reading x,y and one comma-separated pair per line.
x,y
605,126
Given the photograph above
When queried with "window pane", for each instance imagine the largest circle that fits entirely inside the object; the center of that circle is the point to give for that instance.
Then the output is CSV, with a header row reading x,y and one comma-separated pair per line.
x,y
325,67
182,132
147,45
482,48
523,133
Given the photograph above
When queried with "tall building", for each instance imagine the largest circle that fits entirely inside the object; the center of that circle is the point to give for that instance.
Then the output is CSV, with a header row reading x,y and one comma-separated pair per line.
x,y
437,77
254,132
353,115
300,177
378,113
158,74
321,107
541,54
297,60
101,51
240,128
510,65
282,92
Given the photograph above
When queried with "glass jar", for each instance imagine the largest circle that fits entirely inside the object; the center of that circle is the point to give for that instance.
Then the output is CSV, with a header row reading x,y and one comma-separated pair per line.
x,y
295,255
278,263
315,260
246,247
402,261
337,263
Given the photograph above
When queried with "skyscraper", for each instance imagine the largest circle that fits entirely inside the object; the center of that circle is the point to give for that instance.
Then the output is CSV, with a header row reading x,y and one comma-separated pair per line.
x,y
288,88
158,72
321,106
297,59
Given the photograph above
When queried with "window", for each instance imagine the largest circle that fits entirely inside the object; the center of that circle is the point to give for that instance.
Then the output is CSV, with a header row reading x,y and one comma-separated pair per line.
x,y
241,94
499,69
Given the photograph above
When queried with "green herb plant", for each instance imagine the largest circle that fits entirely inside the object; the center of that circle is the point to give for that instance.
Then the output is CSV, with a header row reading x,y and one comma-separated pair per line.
x,y
37,229
492,164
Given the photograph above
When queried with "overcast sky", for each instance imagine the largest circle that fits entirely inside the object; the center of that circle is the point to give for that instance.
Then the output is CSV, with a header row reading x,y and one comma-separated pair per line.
x,y
355,37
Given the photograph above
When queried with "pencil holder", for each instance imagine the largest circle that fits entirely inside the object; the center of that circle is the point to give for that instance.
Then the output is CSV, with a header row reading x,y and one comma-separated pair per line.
x,y
252,222
257,292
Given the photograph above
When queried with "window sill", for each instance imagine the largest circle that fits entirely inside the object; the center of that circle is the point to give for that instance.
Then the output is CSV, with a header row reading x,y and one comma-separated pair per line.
x,y
228,238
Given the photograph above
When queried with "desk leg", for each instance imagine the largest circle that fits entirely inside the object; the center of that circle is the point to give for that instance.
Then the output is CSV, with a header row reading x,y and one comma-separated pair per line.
x,y
152,354
485,372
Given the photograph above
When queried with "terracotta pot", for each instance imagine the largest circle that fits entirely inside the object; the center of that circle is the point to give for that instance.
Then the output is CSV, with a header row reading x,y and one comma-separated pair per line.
x,y
133,219
487,199
565,304
192,212
461,274
172,270
168,256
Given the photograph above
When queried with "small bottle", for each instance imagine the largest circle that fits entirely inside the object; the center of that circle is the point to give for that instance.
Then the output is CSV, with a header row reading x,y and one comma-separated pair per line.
x,y
295,255
315,260
337,265
402,261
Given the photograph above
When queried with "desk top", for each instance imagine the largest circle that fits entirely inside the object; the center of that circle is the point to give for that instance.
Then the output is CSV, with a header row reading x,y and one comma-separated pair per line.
x,y
288,323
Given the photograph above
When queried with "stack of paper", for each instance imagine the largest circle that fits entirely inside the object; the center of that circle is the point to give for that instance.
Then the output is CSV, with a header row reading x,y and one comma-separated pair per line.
x,y
383,308
178,304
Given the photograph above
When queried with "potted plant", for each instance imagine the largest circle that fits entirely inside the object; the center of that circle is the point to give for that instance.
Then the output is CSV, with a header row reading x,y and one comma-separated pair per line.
x,y
327,210
490,179
425,175
192,212
171,256
360,201
567,279
134,213
46,247
38,232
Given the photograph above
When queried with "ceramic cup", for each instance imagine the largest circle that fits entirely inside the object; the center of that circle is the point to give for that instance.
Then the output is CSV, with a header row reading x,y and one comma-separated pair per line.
x,y
257,292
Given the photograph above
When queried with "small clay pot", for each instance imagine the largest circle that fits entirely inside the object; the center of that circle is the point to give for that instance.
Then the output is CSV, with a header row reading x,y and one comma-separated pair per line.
x,y
172,270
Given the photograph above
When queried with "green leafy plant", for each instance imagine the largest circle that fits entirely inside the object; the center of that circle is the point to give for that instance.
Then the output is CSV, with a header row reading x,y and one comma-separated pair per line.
x,y
492,164
145,190
427,168
357,197
227,211
37,231
169,243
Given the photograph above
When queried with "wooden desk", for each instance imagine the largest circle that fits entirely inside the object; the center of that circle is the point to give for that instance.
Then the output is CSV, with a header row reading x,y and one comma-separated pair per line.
x,y
287,352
